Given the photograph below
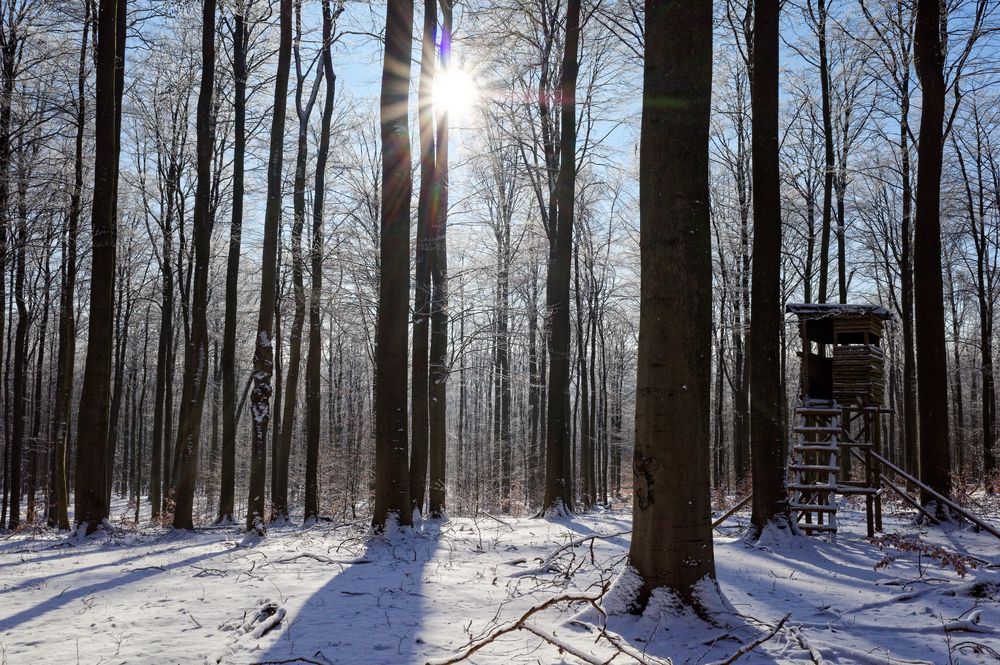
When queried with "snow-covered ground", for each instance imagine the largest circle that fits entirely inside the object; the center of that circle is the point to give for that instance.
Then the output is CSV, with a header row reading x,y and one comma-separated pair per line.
x,y
329,594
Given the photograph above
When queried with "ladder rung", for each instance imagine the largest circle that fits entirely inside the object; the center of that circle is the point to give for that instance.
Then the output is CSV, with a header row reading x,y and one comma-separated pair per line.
x,y
811,488
813,467
816,448
818,430
817,527
812,508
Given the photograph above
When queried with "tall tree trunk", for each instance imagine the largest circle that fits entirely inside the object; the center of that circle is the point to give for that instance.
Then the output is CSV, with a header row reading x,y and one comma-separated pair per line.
x,y
558,473
20,357
958,438
932,366
8,71
583,386
822,14
263,359
767,426
313,385
196,365
123,309
984,298
910,429
503,395
67,309
534,389
227,478
303,108
392,487
420,414
672,534
438,391
35,452
161,409
93,422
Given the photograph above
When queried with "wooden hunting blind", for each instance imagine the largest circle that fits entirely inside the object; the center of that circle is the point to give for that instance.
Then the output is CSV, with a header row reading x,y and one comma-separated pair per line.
x,y
842,356
839,413
836,446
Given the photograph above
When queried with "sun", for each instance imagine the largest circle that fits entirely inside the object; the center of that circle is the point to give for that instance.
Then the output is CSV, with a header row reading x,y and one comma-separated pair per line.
x,y
455,91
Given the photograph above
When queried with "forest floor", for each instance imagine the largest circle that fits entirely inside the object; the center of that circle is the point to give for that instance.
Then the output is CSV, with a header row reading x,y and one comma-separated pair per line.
x,y
331,594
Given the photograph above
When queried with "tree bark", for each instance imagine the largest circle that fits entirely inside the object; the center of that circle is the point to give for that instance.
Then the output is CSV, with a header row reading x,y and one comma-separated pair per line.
x,y
196,365
438,392
420,414
558,472
67,310
303,108
263,359
20,357
672,534
227,478
313,385
822,10
392,487
770,500
932,368
93,422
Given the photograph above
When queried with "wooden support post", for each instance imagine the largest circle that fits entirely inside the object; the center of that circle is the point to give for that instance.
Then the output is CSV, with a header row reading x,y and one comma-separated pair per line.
x,y
877,471
869,481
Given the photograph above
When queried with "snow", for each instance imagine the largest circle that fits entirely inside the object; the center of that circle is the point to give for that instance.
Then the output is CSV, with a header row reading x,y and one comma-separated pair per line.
x,y
332,593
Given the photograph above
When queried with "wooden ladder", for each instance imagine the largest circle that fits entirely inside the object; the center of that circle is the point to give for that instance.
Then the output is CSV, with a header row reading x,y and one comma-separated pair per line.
x,y
815,466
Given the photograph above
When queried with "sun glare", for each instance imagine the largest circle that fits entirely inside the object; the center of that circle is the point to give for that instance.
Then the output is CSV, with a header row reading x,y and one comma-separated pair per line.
x,y
455,91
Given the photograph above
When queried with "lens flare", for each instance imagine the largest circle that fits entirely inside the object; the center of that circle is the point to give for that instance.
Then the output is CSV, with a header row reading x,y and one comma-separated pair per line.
x,y
455,91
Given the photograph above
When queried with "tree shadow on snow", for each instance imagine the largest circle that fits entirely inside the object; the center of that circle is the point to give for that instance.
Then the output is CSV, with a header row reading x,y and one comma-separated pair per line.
x,y
373,611
120,578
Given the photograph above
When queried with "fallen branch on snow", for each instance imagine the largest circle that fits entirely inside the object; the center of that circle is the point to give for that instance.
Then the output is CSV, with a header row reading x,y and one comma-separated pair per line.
x,y
521,623
816,656
750,646
547,565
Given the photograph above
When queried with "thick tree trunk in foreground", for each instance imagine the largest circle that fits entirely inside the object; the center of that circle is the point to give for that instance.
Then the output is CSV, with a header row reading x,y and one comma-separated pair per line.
x,y
767,427
672,533
196,367
932,366
558,472
392,486
263,359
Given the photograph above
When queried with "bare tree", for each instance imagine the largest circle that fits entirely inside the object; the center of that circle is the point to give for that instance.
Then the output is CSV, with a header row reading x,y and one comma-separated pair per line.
x,y
392,487
91,508
558,465
196,362
263,360
770,503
